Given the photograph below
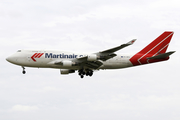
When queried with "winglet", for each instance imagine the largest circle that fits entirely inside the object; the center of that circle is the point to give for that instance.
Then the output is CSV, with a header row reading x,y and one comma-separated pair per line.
x,y
131,42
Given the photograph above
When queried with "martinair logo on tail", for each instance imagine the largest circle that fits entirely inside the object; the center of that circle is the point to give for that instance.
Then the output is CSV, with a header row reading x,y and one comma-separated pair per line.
x,y
36,55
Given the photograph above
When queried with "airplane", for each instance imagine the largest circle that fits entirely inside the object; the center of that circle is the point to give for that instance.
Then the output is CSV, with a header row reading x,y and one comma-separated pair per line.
x,y
86,64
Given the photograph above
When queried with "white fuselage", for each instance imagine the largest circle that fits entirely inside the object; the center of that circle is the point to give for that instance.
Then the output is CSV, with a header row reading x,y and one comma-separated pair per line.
x,y
25,58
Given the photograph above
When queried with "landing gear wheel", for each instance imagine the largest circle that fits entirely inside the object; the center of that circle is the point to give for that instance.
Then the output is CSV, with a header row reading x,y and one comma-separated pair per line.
x,y
91,73
83,72
82,76
24,72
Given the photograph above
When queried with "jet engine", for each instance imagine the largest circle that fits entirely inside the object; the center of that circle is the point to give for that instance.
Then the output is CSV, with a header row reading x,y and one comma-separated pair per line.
x,y
67,63
66,71
92,57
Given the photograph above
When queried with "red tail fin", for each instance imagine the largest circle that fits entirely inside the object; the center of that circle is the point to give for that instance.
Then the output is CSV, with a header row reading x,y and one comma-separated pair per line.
x,y
158,46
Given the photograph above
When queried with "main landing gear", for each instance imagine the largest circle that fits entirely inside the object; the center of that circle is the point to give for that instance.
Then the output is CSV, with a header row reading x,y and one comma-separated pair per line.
x,y
85,72
24,72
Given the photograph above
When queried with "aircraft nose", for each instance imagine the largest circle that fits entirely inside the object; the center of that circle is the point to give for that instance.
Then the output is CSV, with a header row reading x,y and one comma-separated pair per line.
x,y
12,59
9,59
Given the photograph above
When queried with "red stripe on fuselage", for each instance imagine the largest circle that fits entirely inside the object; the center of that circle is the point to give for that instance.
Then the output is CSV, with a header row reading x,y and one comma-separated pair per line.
x,y
40,55
33,57
37,55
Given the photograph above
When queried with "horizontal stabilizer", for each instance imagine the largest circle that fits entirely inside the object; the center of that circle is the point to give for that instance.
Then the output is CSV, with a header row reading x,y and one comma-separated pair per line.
x,y
162,56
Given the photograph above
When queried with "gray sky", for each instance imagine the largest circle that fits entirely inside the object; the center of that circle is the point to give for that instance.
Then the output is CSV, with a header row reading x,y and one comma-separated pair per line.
x,y
144,92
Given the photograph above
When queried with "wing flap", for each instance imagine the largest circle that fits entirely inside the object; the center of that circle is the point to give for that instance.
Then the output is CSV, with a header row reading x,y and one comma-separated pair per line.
x,y
94,64
82,61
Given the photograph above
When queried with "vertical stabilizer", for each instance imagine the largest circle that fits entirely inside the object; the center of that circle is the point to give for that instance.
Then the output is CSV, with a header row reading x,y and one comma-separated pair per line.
x,y
156,47
159,45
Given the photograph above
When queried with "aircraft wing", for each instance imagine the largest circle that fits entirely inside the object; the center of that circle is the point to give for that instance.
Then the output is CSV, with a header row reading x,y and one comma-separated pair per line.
x,y
96,59
112,50
103,55
107,54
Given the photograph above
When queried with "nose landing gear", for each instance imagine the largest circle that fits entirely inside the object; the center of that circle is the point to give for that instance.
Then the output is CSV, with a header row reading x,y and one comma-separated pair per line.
x,y
24,72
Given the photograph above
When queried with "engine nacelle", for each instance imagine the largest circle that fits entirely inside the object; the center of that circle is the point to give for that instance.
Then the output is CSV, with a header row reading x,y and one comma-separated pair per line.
x,y
92,57
66,71
67,63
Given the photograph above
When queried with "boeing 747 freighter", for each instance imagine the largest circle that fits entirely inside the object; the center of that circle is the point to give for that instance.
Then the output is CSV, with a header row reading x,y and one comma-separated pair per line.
x,y
85,64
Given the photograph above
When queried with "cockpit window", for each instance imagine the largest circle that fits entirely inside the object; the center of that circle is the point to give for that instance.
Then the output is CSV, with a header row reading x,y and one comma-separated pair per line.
x,y
19,51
